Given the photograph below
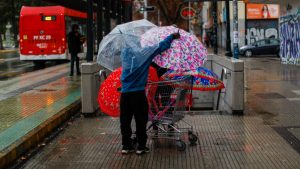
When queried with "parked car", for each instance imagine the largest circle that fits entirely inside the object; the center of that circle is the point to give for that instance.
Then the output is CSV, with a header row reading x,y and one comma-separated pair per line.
x,y
261,47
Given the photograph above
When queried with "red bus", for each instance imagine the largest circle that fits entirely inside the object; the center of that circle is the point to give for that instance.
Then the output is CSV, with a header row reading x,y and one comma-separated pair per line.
x,y
43,32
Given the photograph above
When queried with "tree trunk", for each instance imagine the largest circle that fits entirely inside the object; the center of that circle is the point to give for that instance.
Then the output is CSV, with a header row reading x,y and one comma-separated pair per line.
x,y
1,42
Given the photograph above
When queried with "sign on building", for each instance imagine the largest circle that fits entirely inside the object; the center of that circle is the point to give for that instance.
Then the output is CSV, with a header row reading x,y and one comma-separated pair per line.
x,y
262,11
188,13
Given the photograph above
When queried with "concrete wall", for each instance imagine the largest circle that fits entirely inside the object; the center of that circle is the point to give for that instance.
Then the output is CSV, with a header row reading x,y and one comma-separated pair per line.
x,y
232,97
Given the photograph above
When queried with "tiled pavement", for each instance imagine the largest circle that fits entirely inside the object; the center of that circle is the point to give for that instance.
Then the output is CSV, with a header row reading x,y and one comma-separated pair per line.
x,y
267,136
28,102
225,141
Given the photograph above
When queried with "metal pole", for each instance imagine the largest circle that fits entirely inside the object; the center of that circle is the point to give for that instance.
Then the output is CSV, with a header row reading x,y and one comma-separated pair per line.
x,y
215,26
200,21
119,9
107,16
228,41
235,30
89,25
189,21
14,24
99,21
127,7
145,12
158,17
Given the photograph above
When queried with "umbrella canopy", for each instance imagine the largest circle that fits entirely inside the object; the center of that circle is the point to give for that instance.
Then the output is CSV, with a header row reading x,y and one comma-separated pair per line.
x,y
203,79
109,92
137,27
126,35
186,53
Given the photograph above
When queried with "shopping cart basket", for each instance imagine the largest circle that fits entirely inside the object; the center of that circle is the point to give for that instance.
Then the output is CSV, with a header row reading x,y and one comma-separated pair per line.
x,y
167,106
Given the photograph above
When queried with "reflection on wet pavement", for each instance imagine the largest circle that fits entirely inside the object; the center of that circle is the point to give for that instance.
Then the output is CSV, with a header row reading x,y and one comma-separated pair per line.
x,y
19,107
271,91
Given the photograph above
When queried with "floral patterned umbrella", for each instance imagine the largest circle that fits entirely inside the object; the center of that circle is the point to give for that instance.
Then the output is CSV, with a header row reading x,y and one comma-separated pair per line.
x,y
109,92
203,78
186,53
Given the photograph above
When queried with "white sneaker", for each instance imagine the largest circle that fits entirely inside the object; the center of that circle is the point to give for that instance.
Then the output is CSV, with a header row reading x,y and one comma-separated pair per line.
x,y
126,150
144,150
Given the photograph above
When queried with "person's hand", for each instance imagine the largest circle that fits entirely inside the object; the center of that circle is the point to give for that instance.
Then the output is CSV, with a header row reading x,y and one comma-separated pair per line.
x,y
176,35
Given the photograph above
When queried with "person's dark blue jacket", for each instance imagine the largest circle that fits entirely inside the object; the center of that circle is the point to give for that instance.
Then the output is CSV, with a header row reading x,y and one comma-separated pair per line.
x,y
136,63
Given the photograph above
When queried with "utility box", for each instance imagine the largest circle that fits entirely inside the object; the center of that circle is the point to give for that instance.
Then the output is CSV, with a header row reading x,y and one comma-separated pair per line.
x,y
90,82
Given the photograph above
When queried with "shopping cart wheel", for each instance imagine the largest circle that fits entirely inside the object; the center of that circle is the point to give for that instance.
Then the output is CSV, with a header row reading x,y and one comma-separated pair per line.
x,y
180,145
193,138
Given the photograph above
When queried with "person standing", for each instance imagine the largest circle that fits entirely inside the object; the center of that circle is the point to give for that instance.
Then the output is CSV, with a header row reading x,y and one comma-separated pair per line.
x,y
207,39
75,42
133,101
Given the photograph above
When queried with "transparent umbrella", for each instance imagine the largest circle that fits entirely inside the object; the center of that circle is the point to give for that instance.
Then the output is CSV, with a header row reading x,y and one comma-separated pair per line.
x,y
122,36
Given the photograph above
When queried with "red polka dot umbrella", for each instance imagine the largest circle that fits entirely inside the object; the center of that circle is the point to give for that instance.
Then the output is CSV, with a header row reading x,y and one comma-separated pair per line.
x,y
109,92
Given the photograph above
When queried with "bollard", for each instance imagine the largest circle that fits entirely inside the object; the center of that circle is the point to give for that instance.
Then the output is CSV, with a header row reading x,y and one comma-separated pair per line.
x,y
89,88
231,99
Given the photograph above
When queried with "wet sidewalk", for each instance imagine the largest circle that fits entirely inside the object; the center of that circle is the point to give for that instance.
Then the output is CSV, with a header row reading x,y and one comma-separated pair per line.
x,y
267,136
33,104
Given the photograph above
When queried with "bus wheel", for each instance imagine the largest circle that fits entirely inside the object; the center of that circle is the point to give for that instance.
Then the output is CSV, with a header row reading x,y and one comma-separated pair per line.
x,y
58,62
39,64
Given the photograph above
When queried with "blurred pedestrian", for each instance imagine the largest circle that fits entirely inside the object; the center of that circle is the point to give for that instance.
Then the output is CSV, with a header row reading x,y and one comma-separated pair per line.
x,y
133,101
75,41
206,40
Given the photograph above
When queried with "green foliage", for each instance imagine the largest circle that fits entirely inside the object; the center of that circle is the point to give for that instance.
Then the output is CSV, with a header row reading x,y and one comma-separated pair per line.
x,y
10,12
5,14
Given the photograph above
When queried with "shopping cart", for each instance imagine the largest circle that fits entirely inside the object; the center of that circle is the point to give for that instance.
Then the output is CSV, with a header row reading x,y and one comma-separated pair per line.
x,y
167,106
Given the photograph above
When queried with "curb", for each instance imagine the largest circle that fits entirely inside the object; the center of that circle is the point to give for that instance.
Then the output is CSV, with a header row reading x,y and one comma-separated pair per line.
x,y
34,137
8,51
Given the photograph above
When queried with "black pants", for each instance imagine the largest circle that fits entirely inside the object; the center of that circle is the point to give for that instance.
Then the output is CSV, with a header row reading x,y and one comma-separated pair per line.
x,y
74,58
134,104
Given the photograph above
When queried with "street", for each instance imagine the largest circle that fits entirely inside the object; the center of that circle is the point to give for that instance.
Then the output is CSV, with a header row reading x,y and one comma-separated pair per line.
x,y
11,66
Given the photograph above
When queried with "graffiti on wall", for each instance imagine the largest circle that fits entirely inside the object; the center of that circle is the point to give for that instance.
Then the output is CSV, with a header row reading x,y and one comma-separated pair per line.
x,y
290,38
261,29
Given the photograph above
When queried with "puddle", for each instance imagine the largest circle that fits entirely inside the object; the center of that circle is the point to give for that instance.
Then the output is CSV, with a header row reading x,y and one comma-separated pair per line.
x,y
268,118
